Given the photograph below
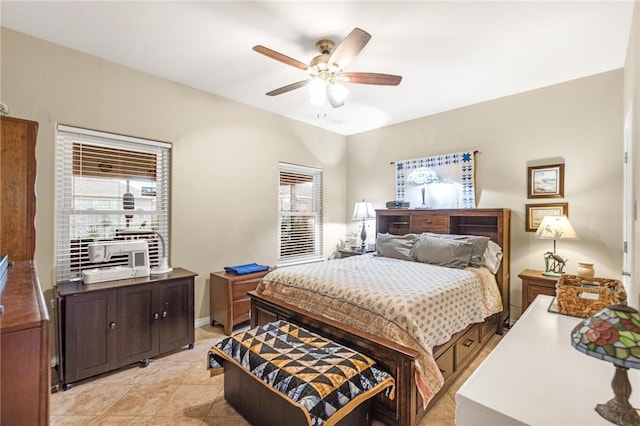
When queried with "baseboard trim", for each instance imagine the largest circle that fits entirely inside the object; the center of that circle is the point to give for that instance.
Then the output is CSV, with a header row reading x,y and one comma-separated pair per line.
x,y
201,322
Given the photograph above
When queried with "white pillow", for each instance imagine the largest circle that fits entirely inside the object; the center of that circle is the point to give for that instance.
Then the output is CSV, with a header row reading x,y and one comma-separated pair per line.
x,y
492,257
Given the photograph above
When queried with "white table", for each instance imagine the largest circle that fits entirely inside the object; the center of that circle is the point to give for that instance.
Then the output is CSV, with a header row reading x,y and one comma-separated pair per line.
x,y
535,377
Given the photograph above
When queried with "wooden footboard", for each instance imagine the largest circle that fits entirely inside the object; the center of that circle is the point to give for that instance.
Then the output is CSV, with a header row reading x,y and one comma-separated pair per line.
x,y
407,408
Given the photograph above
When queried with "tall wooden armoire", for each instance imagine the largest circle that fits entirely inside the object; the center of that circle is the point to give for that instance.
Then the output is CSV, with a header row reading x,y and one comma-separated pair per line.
x,y
25,366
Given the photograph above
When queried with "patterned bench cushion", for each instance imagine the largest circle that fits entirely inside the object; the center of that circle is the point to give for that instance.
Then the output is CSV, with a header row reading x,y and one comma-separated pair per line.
x,y
326,379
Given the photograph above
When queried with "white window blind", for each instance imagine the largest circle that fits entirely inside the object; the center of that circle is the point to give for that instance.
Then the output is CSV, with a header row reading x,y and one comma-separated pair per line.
x,y
300,217
108,187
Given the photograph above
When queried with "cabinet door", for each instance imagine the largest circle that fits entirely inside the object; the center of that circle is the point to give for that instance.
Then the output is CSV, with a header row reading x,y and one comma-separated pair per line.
x,y
176,314
91,328
138,318
17,189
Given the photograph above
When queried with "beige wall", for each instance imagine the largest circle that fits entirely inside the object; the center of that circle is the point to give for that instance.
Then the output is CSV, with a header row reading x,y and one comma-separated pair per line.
x,y
632,95
224,157
578,122
221,216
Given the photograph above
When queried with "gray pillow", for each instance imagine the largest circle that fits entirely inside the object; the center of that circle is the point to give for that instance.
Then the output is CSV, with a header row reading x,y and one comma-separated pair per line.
x,y
478,242
442,251
396,246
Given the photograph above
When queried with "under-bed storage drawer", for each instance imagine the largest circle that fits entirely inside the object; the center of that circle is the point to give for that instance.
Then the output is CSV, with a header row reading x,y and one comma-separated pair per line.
x,y
467,344
446,362
489,327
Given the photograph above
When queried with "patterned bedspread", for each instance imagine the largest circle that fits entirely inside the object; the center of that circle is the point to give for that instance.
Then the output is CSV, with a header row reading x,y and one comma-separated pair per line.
x,y
327,380
415,304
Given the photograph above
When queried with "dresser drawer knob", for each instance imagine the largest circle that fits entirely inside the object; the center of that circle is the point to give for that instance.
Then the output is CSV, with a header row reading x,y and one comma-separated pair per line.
x,y
468,343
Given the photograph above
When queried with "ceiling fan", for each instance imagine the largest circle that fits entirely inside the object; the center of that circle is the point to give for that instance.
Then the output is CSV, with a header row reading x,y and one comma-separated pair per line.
x,y
326,70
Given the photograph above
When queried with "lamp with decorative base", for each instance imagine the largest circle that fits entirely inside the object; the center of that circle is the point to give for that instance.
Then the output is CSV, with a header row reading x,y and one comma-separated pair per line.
x,y
556,228
422,177
613,335
363,210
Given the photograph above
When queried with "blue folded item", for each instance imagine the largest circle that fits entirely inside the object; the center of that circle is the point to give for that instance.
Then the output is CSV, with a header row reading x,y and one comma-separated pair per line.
x,y
246,269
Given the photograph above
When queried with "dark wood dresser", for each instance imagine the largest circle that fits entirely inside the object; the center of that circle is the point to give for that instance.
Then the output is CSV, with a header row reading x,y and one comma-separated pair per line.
x,y
229,303
108,325
24,347
25,356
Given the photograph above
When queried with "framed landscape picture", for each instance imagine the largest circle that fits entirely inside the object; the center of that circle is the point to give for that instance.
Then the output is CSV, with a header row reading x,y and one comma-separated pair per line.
x,y
535,213
545,181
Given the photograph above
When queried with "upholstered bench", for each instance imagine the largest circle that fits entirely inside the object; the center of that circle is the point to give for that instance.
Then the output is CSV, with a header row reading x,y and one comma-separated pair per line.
x,y
282,374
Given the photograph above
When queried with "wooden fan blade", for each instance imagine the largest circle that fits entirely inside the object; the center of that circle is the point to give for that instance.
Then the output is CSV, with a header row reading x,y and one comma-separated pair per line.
x,y
371,78
287,88
280,57
349,48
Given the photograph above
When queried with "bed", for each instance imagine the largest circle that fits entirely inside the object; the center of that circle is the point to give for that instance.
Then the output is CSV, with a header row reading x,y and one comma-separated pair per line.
x,y
423,360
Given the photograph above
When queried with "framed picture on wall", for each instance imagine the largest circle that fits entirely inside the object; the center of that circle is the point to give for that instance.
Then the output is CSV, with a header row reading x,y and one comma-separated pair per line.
x,y
545,181
535,213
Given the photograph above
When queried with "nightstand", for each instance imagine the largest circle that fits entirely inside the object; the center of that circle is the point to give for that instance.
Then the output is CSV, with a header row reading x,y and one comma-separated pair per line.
x,y
229,303
353,252
533,284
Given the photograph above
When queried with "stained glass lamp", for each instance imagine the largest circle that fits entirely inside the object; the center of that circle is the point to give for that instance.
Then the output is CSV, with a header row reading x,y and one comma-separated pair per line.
x,y
422,177
613,335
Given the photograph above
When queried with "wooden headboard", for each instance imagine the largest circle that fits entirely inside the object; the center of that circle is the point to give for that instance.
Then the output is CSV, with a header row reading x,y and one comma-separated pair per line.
x,y
492,223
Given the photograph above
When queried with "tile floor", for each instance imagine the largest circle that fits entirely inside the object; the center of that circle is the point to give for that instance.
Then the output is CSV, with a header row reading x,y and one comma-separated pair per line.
x,y
176,389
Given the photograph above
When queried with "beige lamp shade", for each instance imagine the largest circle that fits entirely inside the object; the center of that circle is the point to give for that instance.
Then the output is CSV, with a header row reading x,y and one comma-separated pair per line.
x,y
363,210
556,228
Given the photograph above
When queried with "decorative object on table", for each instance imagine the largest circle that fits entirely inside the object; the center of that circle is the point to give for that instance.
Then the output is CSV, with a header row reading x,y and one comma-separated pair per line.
x,y
613,335
456,174
576,297
536,212
363,210
586,271
4,109
545,181
555,228
397,204
422,177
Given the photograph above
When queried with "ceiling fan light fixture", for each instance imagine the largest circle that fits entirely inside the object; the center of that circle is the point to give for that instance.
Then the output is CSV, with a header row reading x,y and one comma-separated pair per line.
x,y
325,69
338,92
317,89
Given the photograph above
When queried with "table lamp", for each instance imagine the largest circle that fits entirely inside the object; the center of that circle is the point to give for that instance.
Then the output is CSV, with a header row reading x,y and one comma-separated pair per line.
x,y
556,228
613,335
363,210
422,176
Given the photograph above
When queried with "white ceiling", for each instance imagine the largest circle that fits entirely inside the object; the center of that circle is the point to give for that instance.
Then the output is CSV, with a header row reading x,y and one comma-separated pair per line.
x,y
450,53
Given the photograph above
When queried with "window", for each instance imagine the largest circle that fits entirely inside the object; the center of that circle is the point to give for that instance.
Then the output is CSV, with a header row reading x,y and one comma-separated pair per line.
x,y
300,217
108,187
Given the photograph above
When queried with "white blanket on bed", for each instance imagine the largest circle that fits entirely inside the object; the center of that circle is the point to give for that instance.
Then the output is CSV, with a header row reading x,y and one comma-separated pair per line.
x,y
414,304
431,303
